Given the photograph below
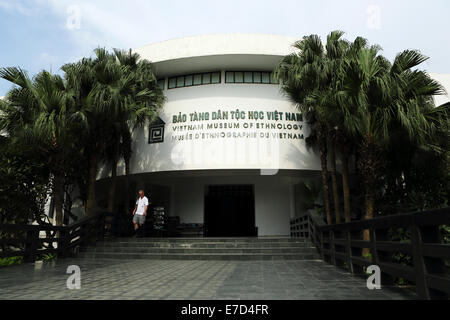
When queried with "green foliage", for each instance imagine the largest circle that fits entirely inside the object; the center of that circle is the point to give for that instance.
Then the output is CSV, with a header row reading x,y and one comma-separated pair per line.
x,y
380,112
399,234
24,184
57,130
114,93
401,258
48,257
368,256
4,262
401,282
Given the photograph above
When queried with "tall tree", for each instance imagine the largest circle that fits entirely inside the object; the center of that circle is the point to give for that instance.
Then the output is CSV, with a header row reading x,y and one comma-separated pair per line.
x,y
303,76
310,79
39,112
386,96
336,51
114,93
147,98
345,122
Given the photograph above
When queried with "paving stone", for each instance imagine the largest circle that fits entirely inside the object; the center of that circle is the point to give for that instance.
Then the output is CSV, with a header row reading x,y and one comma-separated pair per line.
x,y
189,279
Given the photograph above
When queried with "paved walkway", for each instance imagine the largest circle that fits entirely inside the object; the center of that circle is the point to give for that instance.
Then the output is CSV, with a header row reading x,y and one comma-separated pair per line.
x,y
172,279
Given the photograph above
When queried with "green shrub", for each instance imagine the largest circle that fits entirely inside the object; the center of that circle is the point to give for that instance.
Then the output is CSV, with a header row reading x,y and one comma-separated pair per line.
x,y
49,257
368,256
10,261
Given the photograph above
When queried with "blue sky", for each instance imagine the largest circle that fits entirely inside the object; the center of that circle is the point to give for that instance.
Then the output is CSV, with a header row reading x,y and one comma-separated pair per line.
x,y
44,34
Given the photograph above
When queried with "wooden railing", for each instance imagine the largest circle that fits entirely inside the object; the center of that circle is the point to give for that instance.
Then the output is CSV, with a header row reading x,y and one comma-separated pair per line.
x,y
422,251
29,241
300,227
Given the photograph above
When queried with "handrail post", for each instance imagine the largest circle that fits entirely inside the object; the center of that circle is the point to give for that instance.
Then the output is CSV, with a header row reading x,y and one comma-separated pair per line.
x,y
316,234
356,251
419,264
373,247
426,265
62,243
321,242
348,249
31,245
310,231
332,247
379,257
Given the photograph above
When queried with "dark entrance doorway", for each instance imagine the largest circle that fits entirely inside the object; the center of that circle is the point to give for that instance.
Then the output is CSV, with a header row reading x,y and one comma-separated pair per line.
x,y
230,211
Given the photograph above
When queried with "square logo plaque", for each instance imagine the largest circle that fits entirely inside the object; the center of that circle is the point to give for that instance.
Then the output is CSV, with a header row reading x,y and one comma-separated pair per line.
x,y
156,131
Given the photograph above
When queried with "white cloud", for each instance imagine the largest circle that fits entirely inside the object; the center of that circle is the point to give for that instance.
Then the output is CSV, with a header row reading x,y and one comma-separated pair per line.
x,y
106,23
21,7
97,23
132,24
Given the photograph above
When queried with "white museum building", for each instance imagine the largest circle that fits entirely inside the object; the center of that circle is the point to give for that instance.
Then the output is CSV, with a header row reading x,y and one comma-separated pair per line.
x,y
228,150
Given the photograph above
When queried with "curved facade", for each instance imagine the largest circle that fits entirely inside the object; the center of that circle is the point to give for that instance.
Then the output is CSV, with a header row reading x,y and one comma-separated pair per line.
x,y
228,150
223,110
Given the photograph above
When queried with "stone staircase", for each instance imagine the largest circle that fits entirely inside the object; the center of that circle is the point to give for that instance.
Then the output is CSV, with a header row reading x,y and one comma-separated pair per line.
x,y
202,249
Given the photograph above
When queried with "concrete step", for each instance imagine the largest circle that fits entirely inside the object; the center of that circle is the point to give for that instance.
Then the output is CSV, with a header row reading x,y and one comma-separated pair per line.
x,y
239,250
202,244
267,248
199,256
209,240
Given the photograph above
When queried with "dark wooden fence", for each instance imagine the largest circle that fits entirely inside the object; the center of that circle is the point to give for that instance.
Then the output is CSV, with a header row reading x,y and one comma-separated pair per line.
x,y
28,240
419,257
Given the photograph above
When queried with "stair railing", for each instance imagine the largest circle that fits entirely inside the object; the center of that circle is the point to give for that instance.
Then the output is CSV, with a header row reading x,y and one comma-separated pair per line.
x,y
421,258
29,241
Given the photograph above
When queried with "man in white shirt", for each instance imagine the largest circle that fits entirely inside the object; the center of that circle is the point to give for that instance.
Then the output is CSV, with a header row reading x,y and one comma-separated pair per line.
x,y
140,211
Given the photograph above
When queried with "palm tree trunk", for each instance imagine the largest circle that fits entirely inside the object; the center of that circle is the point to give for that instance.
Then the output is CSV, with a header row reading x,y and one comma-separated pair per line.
x,y
58,196
127,185
346,188
369,205
369,167
112,186
332,151
323,163
91,203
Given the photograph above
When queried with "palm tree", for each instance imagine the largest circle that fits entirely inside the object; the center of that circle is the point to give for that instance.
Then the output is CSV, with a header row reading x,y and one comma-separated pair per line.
x,y
411,184
337,115
143,105
385,96
343,119
114,93
38,112
336,51
309,78
303,77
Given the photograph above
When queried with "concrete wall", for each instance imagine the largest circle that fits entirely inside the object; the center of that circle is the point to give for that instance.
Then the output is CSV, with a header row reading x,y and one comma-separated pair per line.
x,y
217,44
197,153
444,80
